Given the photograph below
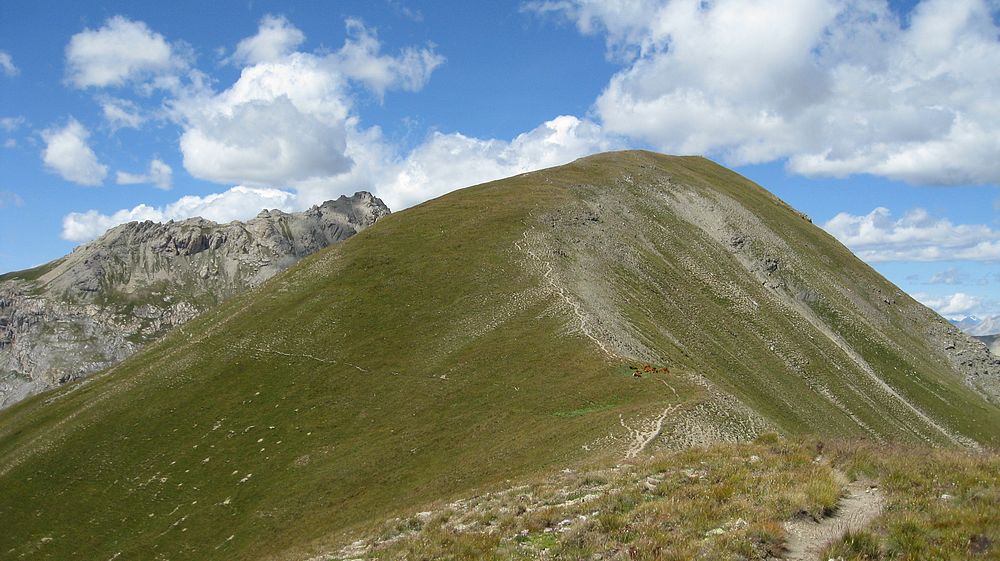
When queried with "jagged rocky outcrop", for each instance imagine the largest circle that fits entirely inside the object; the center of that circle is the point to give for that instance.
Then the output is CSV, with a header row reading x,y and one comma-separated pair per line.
x,y
102,302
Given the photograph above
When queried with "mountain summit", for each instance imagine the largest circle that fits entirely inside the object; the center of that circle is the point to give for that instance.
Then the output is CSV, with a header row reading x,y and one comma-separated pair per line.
x,y
99,304
625,303
980,327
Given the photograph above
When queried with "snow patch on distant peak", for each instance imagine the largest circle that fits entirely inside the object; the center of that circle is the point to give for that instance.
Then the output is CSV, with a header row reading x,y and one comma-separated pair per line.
x,y
974,325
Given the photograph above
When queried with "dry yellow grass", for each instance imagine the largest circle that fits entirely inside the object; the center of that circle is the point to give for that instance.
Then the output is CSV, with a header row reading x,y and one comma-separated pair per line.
x,y
722,502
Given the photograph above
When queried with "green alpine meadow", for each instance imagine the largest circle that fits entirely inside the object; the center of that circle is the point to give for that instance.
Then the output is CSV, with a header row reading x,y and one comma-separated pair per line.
x,y
632,356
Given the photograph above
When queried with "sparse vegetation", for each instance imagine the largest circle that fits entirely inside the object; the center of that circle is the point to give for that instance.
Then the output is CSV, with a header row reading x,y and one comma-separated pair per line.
x,y
943,504
722,502
31,274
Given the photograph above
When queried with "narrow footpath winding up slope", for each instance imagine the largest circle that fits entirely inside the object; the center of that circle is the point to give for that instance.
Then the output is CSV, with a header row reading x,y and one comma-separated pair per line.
x,y
807,538
611,308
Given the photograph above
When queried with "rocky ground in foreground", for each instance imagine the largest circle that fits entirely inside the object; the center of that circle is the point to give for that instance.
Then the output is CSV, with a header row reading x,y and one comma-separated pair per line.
x,y
772,499
99,304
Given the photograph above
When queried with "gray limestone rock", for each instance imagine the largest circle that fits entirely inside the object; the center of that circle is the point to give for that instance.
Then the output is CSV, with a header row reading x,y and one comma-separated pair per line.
x,y
96,306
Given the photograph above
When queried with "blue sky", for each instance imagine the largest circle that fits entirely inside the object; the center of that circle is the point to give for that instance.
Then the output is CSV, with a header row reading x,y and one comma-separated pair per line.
x,y
879,120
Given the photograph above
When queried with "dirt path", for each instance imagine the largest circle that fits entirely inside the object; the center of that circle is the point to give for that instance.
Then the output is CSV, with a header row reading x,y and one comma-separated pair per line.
x,y
301,355
647,432
641,436
577,310
807,538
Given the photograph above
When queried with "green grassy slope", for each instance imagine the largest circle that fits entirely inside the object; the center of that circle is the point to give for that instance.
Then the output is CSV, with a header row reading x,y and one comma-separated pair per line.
x,y
688,268
462,384
431,355
30,274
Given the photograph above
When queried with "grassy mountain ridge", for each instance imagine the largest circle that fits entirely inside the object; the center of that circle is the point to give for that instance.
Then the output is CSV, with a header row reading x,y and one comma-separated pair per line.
x,y
480,337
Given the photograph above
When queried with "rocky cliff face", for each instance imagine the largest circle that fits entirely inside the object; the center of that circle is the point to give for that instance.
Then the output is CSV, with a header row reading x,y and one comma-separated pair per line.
x,y
99,304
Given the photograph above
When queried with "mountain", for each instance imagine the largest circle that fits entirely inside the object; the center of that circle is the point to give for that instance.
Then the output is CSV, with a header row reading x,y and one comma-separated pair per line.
x,y
625,304
989,325
991,341
99,304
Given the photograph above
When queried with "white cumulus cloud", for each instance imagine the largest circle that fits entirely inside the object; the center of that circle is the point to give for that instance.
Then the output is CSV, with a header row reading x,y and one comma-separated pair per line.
x,y
68,154
953,306
289,121
159,174
121,112
286,119
443,163
120,51
275,38
280,122
238,203
446,162
7,64
835,86
916,236
360,59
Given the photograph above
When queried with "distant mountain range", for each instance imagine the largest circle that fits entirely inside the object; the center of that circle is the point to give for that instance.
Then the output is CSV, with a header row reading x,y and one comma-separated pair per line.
x,y
979,326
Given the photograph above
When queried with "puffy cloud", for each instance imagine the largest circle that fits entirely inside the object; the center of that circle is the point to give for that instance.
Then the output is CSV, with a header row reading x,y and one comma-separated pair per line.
x,y
955,305
446,162
360,59
286,121
280,122
238,203
7,64
441,164
159,175
85,226
121,113
275,38
835,86
122,50
917,236
68,154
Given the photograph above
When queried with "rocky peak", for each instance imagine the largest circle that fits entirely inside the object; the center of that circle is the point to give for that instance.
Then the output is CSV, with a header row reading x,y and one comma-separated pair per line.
x,y
97,305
